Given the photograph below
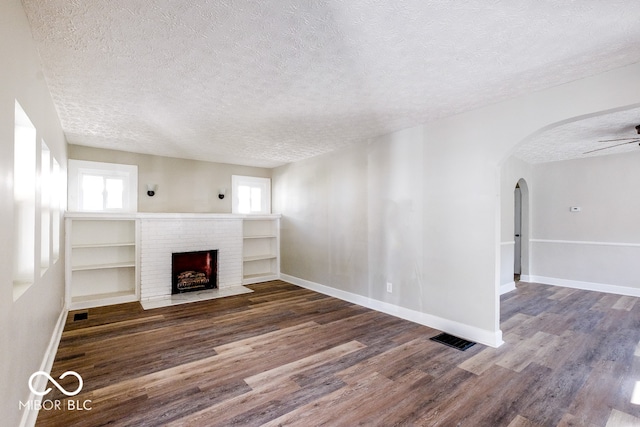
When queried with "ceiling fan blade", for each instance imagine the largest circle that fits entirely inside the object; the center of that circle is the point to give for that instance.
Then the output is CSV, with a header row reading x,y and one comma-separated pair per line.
x,y
619,139
611,146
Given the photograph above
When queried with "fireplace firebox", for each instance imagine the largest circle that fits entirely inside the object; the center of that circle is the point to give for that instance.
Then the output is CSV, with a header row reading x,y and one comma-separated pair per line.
x,y
194,271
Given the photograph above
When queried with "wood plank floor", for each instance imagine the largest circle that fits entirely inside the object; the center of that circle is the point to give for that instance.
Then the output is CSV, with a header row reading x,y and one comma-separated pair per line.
x,y
284,355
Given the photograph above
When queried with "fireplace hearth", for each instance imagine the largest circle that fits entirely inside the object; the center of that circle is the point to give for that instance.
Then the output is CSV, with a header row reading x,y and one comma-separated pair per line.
x,y
194,271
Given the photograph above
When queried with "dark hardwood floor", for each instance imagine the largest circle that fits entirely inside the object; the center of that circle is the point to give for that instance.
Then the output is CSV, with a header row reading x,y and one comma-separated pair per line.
x,y
284,355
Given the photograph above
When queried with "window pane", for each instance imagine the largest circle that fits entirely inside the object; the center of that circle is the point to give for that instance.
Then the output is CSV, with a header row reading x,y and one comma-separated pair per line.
x,y
24,181
117,191
115,188
251,195
256,199
244,199
92,193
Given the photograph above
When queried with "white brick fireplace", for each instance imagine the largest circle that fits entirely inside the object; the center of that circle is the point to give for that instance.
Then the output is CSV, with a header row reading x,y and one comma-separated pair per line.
x,y
163,234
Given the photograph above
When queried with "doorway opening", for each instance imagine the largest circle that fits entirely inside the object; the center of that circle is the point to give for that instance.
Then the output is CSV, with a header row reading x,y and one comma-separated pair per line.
x,y
517,234
520,226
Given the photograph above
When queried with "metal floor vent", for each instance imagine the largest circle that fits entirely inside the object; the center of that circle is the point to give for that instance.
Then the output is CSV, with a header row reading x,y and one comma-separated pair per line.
x,y
453,341
80,316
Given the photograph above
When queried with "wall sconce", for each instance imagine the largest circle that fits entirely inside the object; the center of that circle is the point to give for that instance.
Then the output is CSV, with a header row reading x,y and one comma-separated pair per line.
x,y
221,193
151,189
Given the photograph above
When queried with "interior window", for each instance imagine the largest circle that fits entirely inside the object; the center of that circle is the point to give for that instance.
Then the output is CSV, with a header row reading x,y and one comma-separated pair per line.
x,y
24,202
251,195
102,187
59,184
46,188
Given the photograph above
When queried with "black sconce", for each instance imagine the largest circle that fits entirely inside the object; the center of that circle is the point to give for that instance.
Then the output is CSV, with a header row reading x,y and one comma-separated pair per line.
x,y
221,193
151,189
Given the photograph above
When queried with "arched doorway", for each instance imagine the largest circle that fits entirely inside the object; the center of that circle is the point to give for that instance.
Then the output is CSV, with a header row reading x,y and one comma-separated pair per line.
x,y
520,232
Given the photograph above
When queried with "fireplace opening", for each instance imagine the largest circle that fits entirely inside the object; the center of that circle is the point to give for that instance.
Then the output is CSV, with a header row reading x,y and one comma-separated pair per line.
x,y
194,271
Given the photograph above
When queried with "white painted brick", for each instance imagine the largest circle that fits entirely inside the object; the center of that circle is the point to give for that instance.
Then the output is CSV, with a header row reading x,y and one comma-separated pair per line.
x,y
159,238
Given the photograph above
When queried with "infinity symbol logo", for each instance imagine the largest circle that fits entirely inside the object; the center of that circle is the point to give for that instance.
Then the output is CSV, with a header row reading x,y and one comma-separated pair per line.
x,y
58,386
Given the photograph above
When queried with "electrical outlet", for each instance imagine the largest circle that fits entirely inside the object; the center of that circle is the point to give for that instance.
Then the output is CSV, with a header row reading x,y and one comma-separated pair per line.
x,y
389,287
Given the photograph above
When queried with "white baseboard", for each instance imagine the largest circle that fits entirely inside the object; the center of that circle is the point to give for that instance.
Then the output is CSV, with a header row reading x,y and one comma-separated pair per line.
x,y
490,338
29,416
587,286
507,287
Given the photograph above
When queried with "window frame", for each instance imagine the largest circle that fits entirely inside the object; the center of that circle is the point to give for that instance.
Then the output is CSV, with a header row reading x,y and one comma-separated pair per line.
x,y
128,173
264,184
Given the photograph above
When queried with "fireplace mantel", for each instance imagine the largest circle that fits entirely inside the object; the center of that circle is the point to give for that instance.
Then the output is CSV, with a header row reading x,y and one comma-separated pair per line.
x,y
207,216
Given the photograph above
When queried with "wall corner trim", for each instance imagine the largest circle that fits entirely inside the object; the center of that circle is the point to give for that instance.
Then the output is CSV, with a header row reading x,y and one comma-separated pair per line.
x,y
482,336
29,417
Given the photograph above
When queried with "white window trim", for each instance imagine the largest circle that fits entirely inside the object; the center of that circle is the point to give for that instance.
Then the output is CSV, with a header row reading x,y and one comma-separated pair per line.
x,y
251,181
79,168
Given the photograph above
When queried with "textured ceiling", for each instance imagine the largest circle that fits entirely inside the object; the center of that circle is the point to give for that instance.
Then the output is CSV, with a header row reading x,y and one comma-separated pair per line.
x,y
575,139
269,82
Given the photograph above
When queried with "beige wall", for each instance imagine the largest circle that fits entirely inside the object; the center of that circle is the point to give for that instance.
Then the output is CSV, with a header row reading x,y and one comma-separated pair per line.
x,y
183,185
26,325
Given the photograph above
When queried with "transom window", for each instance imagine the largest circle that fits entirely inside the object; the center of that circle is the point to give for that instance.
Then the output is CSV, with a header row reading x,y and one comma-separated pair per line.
x,y
102,187
251,195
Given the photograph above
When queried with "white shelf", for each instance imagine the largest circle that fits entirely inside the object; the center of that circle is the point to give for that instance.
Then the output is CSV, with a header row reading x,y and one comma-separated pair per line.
x,y
259,257
97,300
103,245
257,278
261,249
102,258
103,266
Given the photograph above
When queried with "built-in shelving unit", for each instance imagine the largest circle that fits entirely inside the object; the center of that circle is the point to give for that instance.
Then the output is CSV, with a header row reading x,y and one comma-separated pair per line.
x,y
103,253
261,249
102,258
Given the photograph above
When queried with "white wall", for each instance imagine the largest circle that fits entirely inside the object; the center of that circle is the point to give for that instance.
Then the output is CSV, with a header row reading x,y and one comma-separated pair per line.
x,y
599,247
441,241
26,325
353,219
183,185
